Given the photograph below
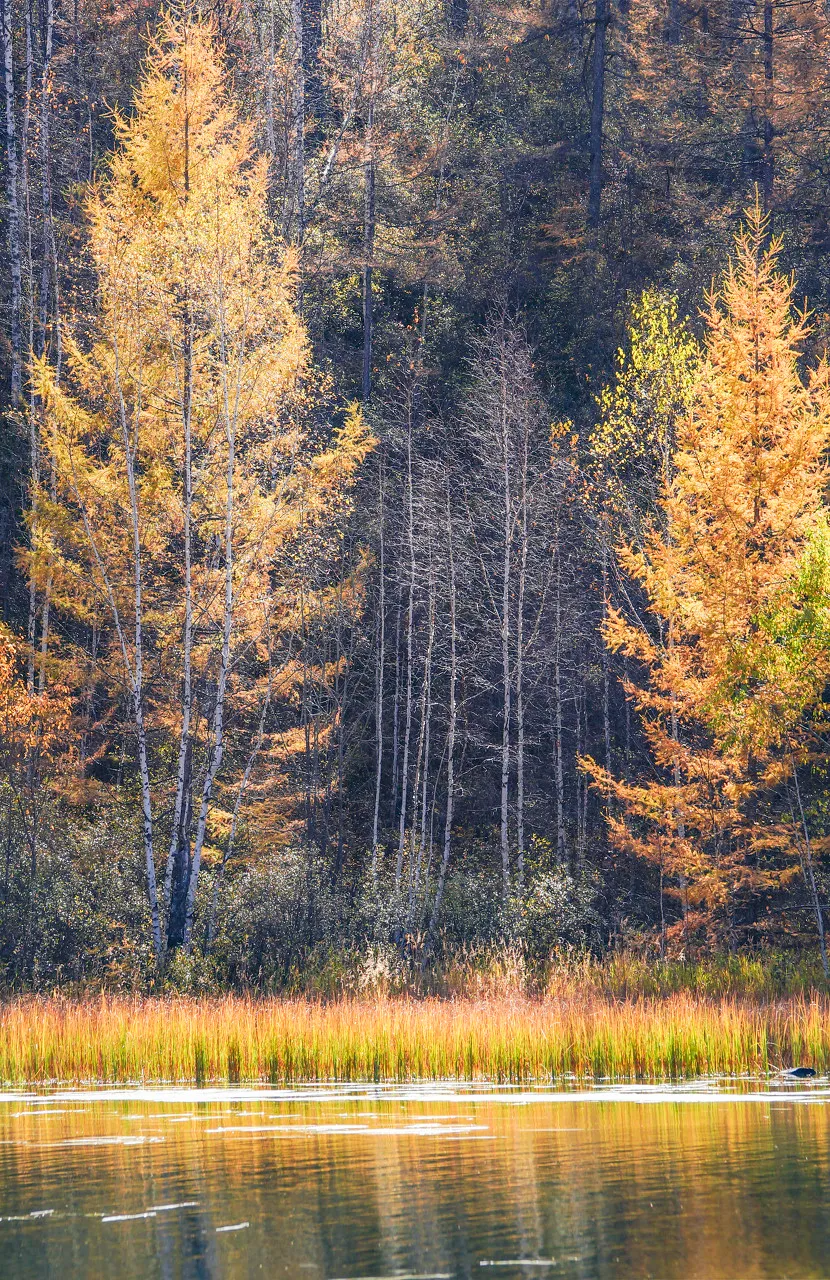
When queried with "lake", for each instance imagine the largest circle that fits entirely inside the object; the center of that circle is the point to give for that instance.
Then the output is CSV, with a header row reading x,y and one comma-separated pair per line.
x,y
709,1180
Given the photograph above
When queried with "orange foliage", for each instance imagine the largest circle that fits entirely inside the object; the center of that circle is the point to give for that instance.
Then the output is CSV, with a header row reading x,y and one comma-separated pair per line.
x,y
736,646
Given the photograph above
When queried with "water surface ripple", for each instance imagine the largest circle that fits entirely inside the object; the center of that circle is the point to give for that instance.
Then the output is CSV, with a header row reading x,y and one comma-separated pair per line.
x,y
340,1183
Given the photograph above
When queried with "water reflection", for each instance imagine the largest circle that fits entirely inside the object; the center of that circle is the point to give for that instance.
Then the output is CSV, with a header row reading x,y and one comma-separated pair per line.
x,y
415,1182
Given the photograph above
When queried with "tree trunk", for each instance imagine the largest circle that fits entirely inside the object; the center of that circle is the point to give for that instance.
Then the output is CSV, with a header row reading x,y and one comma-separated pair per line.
x,y
217,752
451,730
809,875
520,692
505,642
178,867
380,656
13,206
368,246
34,441
296,214
138,674
409,628
768,161
183,773
606,669
396,709
49,275
427,720
557,692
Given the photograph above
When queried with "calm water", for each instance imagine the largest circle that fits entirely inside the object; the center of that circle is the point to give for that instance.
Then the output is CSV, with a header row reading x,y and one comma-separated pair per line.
x,y
416,1182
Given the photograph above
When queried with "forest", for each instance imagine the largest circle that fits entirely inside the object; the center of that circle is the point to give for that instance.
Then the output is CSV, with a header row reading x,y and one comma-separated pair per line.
x,y
414,446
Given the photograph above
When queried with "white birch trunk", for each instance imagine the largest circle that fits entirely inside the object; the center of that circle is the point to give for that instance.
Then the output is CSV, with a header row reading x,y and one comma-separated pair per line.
x,y
557,690
379,669
505,640
409,626
451,731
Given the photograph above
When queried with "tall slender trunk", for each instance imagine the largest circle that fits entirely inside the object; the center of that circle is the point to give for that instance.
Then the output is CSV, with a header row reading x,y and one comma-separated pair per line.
x,y
601,16
557,693
505,639
26,189
298,111
270,58
34,441
218,727
49,275
305,718
137,673
380,657
427,722
581,781
13,206
416,785
183,780
768,160
396,708
809,874
606,670
368,247
520,658
451,729
677,776
49,270
342,664
180,834
409,628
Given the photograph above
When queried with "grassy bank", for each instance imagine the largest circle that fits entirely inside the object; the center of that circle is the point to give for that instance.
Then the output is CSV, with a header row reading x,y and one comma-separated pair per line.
x,y
500,1039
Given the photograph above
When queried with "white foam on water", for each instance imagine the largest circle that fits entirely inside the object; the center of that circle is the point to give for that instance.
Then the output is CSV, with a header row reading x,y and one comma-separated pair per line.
x,y
233,1226
737,1090
168,1208
27,1217
518,1262
128,1217
414,1128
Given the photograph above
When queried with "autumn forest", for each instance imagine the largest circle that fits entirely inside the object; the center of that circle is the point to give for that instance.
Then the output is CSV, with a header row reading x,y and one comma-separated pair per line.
x,y
414,465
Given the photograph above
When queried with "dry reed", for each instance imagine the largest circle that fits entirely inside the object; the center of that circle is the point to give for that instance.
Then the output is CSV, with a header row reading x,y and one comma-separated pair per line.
x,y
509,1039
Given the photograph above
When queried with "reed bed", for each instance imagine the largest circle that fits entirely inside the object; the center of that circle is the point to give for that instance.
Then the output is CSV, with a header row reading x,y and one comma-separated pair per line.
x,y
514,1040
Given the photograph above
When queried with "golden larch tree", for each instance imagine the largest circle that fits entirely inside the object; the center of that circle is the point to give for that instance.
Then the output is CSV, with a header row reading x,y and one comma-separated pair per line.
x,y
734,636
176,432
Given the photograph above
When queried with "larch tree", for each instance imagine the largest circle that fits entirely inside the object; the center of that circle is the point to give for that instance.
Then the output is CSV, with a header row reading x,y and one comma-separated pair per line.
x,y
733,633
184,471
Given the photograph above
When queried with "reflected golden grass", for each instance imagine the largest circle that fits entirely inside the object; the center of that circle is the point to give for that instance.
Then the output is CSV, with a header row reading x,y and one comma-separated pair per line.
x,y
509,1040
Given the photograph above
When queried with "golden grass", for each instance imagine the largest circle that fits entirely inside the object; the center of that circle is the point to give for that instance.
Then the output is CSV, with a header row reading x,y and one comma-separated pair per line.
x,y
508,1039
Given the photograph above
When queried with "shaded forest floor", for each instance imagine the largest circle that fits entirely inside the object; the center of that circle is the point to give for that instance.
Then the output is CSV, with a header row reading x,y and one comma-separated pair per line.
x,y
617,1020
